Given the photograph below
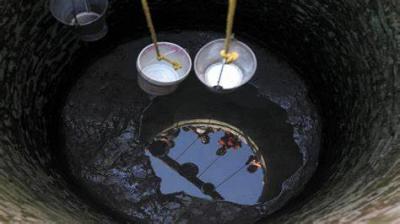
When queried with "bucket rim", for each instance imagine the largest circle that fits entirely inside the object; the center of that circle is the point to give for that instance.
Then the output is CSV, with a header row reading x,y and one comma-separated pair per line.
x,y
156,82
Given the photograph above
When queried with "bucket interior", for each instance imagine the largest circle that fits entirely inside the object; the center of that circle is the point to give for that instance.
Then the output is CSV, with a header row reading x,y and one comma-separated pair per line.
x,y
161,71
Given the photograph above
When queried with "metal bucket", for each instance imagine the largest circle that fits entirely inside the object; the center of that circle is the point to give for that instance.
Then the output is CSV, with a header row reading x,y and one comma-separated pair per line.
x,y
211,70
158,77
87,16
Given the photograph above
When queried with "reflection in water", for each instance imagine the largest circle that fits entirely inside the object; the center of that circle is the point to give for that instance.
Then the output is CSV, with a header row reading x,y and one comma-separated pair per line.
x,y
209,161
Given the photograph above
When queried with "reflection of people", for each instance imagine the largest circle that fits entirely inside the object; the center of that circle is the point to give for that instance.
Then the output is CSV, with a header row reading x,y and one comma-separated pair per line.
x,y
221,151
202,132
163,142
205,139
253,163
228,141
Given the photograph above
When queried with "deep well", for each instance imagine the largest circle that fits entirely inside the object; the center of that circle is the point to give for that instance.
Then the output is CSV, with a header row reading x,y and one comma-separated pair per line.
x,y
347,53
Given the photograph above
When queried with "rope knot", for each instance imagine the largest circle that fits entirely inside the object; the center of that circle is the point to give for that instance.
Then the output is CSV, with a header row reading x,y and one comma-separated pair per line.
x,y
229,57
176,65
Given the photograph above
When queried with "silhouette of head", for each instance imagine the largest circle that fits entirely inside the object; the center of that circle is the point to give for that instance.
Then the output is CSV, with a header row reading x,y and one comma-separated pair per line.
x,y
205,139
157,148
252,168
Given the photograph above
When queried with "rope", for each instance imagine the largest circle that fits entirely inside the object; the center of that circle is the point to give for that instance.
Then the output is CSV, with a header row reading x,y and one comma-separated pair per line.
x,y
209,166
149,21
232,175
229,56
187,148
220,73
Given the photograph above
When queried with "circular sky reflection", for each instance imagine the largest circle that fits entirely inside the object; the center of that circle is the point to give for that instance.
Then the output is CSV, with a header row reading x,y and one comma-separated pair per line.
x,y
209,160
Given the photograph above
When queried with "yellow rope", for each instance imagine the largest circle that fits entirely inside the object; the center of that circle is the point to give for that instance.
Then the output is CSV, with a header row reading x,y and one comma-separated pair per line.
x,y
229,56
176,65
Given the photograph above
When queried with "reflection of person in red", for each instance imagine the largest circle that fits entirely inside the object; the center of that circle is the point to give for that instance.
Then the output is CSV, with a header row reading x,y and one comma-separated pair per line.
x,y
228,141
253,163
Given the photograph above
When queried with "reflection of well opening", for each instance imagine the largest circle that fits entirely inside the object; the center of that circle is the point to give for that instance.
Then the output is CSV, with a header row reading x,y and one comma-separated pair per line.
x,y
210,128
221,125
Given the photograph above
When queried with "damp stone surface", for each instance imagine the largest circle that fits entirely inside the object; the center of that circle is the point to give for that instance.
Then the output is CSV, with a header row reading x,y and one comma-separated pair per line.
x,y
108,121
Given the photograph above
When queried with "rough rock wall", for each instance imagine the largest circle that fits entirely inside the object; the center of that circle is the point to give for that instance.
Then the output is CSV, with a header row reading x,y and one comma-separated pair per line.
x,y
348,52
33,53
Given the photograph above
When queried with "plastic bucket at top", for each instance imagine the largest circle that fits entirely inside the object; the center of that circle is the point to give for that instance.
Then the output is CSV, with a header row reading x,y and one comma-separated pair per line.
x,y
87,16
158,77
212,71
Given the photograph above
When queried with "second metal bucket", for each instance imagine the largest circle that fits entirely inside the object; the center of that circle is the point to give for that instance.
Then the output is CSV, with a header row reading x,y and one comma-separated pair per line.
x,y
222,77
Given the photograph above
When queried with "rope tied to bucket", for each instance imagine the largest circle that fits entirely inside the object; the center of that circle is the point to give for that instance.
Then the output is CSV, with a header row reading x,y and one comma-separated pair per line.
x,y
146,9
228,56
